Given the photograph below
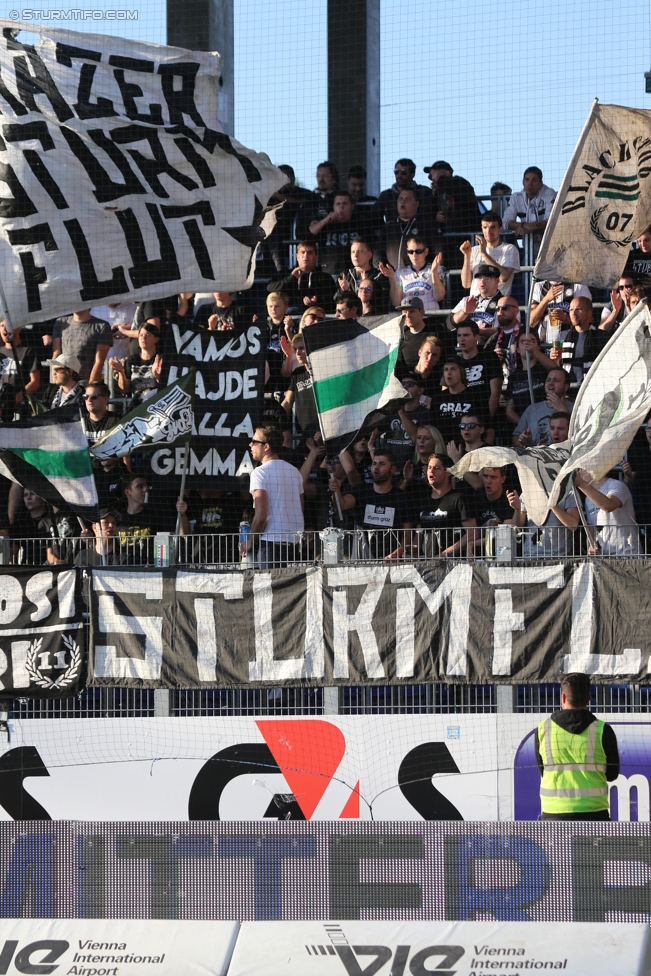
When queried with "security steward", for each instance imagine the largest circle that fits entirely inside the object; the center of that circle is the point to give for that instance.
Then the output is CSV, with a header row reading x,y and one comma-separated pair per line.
x,y
577,756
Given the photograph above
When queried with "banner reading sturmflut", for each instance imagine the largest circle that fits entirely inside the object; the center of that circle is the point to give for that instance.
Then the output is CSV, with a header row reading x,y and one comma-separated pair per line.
x,y
119,182
370,622
604,203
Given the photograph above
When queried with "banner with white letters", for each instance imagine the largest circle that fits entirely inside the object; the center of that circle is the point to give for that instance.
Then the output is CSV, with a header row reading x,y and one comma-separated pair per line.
x,y
228,402
42,646
371,623
117,179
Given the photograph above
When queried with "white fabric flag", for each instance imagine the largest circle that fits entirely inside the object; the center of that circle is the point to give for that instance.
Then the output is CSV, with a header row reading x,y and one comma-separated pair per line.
x,y
604,203
612,401
117,181
537,468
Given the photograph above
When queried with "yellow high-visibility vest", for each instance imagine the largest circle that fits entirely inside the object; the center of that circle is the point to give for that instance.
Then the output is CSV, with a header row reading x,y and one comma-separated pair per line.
x,y
574,778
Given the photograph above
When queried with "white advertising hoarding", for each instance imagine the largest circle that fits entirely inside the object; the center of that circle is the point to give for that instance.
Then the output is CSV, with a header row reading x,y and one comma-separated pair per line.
x,y
116,947
463,948
397,767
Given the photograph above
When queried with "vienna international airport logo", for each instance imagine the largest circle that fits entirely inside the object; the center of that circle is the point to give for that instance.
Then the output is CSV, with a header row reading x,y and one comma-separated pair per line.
x,y
609,187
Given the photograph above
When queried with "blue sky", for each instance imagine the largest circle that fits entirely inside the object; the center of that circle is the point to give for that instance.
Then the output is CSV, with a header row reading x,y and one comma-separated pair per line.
x,y
491,87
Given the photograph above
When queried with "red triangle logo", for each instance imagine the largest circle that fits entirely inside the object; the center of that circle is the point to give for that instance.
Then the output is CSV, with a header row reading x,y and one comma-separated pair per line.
x,y
308,753
351,808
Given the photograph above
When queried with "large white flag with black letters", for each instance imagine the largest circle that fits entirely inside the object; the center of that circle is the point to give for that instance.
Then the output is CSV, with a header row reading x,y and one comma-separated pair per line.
x,y
117,180
612,402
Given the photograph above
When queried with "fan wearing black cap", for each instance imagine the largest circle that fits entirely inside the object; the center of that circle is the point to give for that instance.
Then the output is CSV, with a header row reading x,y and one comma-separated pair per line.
x,y
481,308
413,333
139,375
103,552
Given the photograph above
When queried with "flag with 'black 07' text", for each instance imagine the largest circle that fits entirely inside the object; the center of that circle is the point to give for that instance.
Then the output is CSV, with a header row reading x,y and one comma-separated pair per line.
x,y
604,202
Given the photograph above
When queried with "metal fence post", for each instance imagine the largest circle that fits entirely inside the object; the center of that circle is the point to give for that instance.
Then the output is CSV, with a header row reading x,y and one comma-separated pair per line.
x,y
331,701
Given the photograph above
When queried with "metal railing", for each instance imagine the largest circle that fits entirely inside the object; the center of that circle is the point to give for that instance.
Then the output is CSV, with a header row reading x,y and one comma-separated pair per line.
x,y
419,699
501,542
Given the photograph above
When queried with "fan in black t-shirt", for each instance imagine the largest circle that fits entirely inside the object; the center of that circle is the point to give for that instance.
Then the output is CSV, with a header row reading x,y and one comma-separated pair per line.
x,y
491,506
299,393
139,375
138,525
450,404
439,508
222,315
484,374
381,507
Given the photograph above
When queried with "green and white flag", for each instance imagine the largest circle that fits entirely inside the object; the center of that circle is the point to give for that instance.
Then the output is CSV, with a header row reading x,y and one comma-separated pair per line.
x,y
353,381
48,454
163,420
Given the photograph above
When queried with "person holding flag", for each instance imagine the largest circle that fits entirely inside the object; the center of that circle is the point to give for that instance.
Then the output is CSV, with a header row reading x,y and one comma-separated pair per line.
x,y
163,421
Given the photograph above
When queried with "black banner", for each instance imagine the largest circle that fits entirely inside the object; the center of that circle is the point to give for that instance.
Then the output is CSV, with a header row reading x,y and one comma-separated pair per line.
x,y
228,403
42,652
370,622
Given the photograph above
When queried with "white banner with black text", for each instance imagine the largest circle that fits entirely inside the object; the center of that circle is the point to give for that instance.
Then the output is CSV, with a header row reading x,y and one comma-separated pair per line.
x,y
118,181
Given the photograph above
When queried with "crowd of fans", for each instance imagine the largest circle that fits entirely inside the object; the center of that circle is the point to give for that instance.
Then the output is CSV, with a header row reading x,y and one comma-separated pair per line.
x,y
453,272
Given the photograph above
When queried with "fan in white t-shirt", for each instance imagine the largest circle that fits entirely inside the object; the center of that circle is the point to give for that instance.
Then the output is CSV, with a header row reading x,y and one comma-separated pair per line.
x,y
277,489
609,506
419,279
490,250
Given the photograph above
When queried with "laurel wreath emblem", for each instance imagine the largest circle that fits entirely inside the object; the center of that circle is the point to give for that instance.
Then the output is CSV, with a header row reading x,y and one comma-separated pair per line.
x,y
65,679
594,227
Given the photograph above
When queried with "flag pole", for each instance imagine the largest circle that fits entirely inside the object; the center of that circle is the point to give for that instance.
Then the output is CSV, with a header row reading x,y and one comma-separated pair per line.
x,y
186,458
527,332
327,461
551,224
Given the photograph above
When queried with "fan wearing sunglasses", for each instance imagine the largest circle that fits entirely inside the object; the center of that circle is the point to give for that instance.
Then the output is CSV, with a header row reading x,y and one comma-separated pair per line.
x,y
97,421
620,304
472,429
421,278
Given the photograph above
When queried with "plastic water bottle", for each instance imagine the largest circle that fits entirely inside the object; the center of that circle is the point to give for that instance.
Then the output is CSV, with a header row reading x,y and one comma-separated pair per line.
x,y
247,558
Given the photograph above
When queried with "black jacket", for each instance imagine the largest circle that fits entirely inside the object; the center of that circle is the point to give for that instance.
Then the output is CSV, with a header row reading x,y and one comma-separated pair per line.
x,y
384,208
392,239
455,197
316,282
576,721
46,395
